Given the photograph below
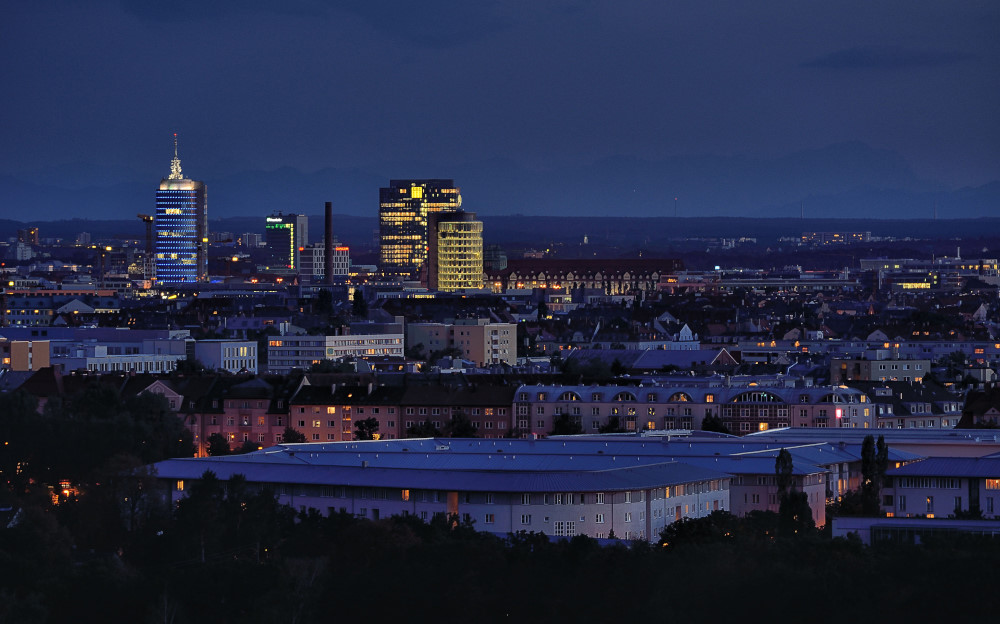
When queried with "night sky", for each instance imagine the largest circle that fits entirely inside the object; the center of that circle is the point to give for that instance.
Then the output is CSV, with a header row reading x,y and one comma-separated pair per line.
x,y
254,85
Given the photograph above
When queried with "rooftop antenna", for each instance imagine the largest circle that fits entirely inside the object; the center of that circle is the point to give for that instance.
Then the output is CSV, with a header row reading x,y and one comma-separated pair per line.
x,y
175,164
935,209
802,210
675,207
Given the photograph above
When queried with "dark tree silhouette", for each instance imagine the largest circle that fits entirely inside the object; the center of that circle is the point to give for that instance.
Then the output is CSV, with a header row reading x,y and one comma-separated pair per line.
x,y
424,429
714,423
292,436
366,429
459,427
218,445
565,425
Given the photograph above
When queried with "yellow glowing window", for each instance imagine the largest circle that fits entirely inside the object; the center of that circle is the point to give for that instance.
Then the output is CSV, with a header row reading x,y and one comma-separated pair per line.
x,y
180,485
762,427
416,192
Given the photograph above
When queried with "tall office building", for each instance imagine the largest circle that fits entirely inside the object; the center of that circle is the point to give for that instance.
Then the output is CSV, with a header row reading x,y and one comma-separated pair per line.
x,y
403,210
181,227
454,251
285,236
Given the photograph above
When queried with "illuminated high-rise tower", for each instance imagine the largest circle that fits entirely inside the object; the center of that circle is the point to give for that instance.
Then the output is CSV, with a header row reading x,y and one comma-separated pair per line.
x,y
403,209
181,228
286,235
455,251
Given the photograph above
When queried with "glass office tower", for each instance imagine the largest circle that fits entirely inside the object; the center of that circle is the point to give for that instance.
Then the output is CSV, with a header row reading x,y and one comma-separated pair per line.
x,y
403,209
286,235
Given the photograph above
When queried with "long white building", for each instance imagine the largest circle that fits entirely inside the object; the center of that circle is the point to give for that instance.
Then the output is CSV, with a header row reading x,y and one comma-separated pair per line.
x,y
561,488
286,353
626,486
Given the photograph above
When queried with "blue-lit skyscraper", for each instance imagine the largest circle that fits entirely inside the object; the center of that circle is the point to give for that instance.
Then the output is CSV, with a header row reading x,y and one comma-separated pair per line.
x,y
181,228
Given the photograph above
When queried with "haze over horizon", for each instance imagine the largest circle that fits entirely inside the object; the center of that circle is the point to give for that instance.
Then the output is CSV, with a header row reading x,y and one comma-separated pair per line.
x,y
570,107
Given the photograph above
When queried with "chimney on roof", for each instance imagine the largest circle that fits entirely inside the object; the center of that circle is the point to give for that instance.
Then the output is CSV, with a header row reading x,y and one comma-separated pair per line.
x,y
328,242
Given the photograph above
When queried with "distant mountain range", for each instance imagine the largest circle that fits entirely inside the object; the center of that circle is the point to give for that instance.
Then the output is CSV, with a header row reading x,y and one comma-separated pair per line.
x,y
848,180
606,235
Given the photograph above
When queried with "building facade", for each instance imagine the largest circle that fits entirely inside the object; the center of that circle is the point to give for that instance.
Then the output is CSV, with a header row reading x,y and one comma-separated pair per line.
x,y
38,307
939,487
181,228
742,410
232,356
454,251
313,258
285,236
878,369
478,340
503,486
404,207
287,353
23,355
612,277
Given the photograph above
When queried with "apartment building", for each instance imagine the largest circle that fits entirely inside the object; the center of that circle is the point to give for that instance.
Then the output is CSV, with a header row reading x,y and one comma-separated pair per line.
x,y
231,356
287,353
938,487
743,409
478,340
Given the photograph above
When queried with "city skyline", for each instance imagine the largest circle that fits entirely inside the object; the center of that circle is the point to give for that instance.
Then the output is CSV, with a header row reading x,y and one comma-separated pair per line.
x,y
681,98
677,290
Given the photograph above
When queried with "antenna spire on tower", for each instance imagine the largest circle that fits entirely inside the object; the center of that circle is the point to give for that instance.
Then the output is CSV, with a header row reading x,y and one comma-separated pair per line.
x,y
175,164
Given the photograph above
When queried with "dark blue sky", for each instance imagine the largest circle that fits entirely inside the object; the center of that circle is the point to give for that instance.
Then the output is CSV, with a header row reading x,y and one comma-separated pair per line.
x,y
550,84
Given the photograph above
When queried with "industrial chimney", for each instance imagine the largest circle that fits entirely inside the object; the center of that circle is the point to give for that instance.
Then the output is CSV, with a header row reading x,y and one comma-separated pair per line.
x,y
328,244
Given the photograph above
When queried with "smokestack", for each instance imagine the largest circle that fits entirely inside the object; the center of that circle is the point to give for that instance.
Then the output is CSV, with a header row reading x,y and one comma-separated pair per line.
x,y
328,243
